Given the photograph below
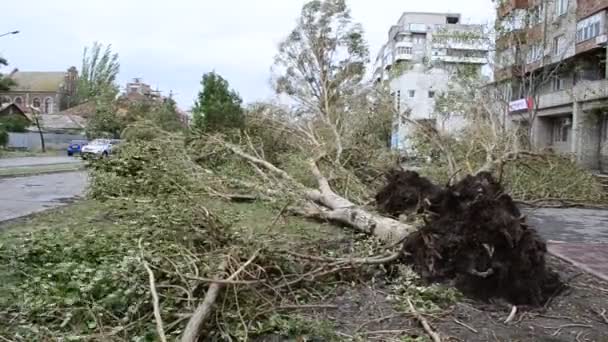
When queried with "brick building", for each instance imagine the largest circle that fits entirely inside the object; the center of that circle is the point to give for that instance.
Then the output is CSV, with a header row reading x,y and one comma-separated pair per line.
x,y
551,68
47,91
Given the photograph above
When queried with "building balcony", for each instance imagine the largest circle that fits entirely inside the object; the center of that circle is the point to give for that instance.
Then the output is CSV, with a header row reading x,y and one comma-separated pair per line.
x,y
479,45
460,59
583,91
404,44
403,57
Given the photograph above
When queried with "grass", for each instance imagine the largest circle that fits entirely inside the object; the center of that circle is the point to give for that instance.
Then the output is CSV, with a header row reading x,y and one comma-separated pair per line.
x,y
27,153
36,170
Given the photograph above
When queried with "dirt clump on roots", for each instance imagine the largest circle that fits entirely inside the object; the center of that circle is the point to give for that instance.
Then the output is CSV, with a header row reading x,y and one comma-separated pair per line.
x,y
405,191
475,235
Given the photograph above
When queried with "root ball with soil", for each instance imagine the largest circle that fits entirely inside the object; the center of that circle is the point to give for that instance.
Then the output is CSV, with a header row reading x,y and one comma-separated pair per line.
x,y
474,235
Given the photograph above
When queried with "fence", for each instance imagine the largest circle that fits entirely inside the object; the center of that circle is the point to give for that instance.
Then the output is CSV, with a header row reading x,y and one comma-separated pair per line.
x,y
31,140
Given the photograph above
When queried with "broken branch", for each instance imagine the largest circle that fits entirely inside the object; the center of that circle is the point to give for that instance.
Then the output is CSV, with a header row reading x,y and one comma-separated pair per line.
x,y
425,324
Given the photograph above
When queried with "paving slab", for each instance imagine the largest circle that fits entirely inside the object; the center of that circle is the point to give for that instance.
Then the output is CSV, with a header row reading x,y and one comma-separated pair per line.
x,y
590,257
576,235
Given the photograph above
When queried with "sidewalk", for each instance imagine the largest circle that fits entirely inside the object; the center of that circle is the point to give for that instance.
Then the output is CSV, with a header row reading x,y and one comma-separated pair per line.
x,y
579,236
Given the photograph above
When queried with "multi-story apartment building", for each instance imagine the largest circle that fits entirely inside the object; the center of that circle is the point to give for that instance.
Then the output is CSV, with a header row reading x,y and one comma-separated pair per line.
x,y
422,52
551,65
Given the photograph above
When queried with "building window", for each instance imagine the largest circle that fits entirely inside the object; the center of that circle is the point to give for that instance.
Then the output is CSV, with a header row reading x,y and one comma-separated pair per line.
x,y
399,101
537,14
404,50
48,105
535,52
411,93
561,129
558,83
19,100
561,7
558,44
417,27
36,102
431,94
588,28
419,38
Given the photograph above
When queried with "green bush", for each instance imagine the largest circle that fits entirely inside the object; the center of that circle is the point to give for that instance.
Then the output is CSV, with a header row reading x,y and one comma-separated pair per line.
x,y
143,168
3,138
14,123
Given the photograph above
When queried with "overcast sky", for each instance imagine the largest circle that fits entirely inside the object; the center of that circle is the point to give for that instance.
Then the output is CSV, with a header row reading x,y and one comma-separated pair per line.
x,y
170,44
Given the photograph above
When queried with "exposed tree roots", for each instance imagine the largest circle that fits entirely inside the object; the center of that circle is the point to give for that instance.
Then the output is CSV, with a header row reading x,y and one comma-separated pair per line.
x,y
473,234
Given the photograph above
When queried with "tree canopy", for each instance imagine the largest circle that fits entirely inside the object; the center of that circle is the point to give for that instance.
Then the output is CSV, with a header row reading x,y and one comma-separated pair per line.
x,y
5,82
321,64
98,73
218,107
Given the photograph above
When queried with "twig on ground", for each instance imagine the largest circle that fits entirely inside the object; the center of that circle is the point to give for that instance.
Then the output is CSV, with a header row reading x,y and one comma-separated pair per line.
x,y
603,315
304,307
378,320
225,281
466,326
157,316
367,261
379,332
5,339
559,329
425,324
511,315
193,328
280,214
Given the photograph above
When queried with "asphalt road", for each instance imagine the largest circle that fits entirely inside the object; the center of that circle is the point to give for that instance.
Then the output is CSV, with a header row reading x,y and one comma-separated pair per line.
x,y
37,161
22,196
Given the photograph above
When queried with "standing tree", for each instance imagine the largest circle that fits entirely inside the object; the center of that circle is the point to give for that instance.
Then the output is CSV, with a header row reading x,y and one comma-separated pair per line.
x,y
98,74
321,63
217,106
37,121
5,82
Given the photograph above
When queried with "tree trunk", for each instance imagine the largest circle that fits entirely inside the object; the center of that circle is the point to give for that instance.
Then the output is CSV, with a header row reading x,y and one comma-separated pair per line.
x,y
344,211
339,209
41,135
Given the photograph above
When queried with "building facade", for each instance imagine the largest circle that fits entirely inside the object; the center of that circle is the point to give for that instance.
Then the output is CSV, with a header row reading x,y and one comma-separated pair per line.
x,y
552,70
46,91
423,52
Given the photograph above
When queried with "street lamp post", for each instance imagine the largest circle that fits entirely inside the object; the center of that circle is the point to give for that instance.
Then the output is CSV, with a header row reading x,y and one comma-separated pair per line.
x,y
9,33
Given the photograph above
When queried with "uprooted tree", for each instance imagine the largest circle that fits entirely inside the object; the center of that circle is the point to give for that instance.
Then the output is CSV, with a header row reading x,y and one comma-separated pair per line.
x,y
321,65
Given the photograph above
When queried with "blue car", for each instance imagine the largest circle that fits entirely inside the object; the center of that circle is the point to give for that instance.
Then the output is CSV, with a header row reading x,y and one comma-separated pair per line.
x,y
75,146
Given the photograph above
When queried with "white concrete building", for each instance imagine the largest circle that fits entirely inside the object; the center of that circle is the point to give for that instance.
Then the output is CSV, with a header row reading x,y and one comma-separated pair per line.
x,y
422,52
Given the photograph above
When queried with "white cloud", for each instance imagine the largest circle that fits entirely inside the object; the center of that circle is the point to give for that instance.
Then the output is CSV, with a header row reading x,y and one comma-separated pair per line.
x,y
171,44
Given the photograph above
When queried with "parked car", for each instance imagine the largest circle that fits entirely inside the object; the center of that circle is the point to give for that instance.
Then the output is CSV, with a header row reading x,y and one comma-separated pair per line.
x,y
75,146
99,148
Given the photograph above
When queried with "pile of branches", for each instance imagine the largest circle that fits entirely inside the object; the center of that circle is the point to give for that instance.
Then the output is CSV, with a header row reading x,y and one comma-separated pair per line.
x,y
473,234
157,263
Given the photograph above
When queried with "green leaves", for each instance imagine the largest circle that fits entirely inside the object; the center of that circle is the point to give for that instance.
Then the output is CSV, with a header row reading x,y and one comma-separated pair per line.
x,y
218,107
98,74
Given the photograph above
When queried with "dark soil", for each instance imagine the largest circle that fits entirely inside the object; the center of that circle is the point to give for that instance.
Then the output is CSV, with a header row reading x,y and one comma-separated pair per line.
x,y
364,311
475,235
404,191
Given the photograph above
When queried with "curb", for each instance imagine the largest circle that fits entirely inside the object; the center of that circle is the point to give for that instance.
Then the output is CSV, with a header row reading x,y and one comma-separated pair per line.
x,y
42,173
